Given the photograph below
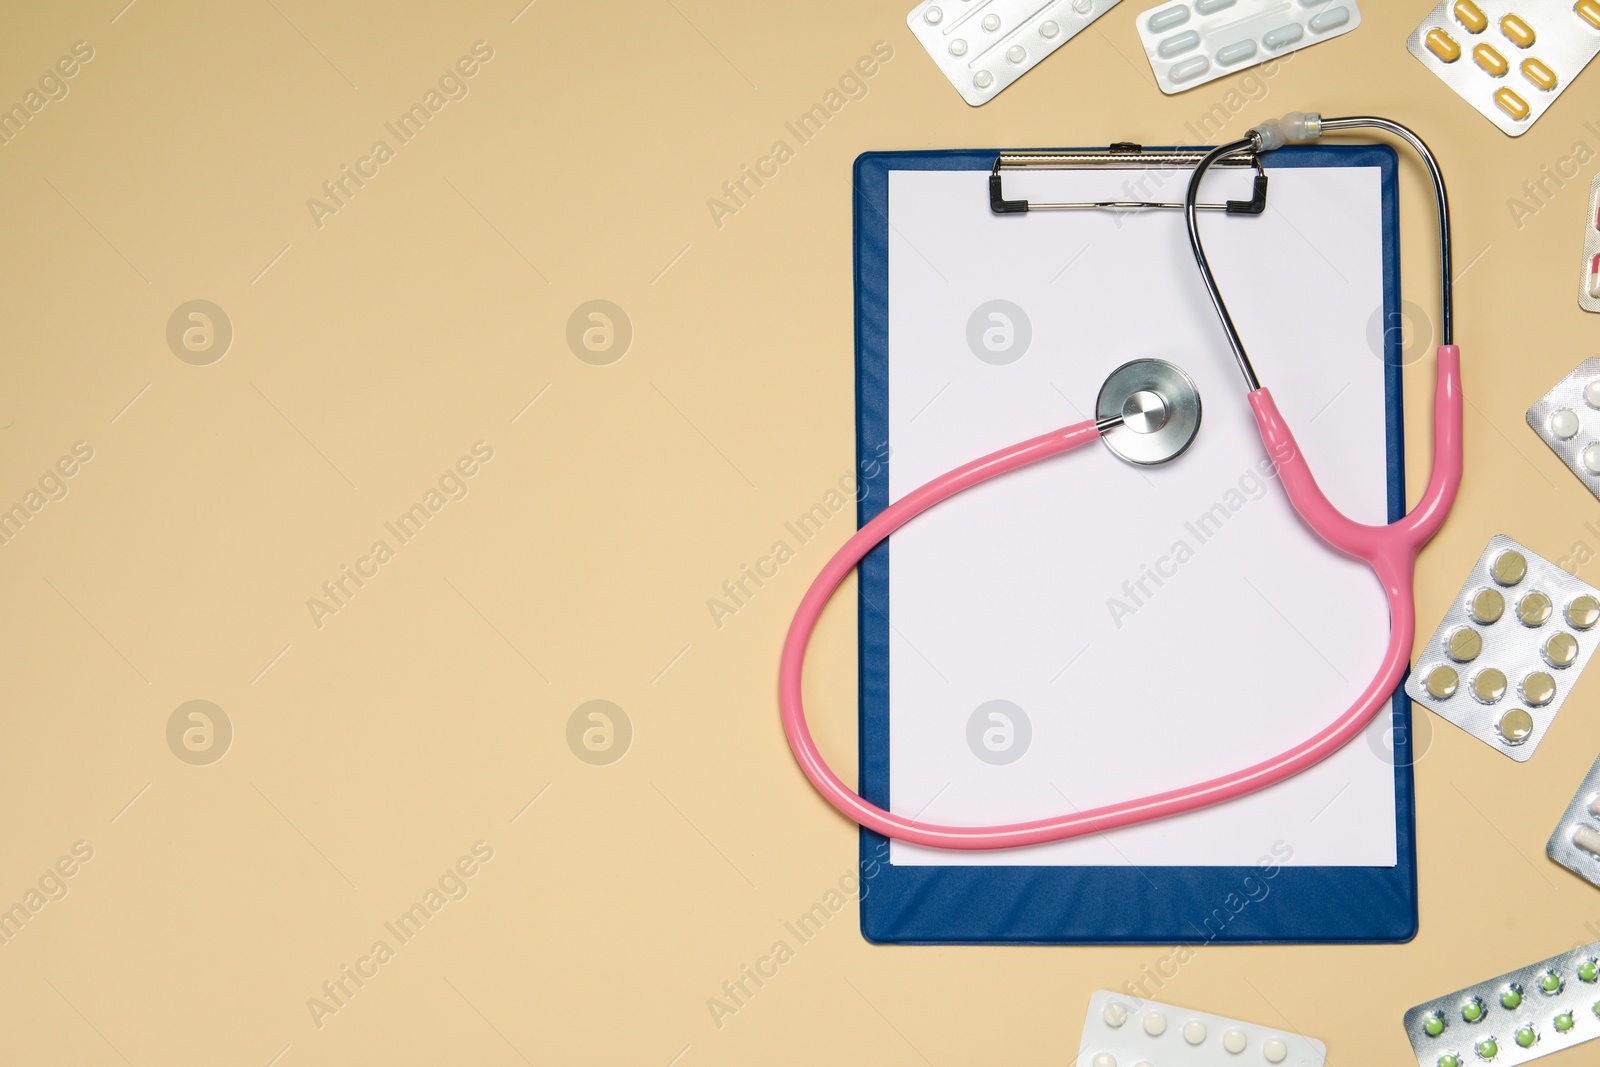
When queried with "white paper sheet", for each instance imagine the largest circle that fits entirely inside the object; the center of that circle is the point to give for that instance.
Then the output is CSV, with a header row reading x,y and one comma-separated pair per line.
x,y
1255,639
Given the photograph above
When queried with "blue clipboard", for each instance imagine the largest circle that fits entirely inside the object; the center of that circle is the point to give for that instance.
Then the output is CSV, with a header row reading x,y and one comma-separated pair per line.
x,y
1098,905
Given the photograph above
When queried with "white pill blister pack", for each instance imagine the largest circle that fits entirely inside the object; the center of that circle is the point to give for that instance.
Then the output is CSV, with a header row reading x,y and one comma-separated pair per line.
x,y
1509,650
1534,1011
984,45
1576,843
1589,279
1567,418
1510,59
1195,41
1123,1031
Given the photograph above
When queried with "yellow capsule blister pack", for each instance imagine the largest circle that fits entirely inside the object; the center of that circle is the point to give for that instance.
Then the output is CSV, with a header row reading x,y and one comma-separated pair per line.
x,y
1509,650
1509,58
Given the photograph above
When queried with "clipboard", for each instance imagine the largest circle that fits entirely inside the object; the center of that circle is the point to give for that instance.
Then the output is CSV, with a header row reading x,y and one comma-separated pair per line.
x,y
1124,893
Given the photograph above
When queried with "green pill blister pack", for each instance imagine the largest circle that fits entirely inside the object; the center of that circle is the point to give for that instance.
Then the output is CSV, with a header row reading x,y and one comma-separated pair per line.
x,y
1516,1018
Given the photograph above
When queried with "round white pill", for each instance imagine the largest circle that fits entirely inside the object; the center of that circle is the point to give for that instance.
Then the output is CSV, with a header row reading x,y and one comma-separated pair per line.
x,y
1564,424
934,16
1155,1024
1591,459
1591,393
983,79
992,23
958,47
1049,29
1115,1014
1234,1041
1105,1059
1016,53
1275,1050
1194,1031
1083,7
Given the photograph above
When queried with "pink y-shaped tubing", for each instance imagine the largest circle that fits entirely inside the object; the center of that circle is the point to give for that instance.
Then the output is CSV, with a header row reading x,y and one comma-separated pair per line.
x,y
1391,552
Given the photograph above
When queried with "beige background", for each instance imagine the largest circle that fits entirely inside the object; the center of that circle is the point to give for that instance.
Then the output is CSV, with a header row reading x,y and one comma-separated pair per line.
x,y
369,354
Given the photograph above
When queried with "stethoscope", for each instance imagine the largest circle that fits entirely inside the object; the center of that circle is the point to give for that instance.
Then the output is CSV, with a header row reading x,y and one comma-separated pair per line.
x,y
1149,412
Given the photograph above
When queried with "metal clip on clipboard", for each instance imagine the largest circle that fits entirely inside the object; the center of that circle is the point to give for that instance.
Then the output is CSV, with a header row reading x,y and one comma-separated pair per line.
x,y
1121,156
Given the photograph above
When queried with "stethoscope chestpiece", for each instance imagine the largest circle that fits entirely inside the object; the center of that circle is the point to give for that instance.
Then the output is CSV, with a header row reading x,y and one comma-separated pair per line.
x,y
1148,412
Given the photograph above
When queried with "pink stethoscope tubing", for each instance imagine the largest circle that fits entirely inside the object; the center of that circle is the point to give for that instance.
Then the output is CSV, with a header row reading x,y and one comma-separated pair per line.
x,y
1391,551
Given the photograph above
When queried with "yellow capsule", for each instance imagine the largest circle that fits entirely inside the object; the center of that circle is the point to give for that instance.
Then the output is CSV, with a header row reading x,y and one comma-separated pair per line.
x,y
1583,612
1441,682
1511,103
1515,726
1538,689
1519,32
1490,60
1464,644
1560,651
1489,685
1486,606
1471,16
1538,73
1589,11
1444,46
1534,609
1509,567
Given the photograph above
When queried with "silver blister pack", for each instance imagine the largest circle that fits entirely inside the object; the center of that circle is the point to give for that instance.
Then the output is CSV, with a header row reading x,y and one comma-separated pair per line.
x,y
1510,59
1567,418
1576,843
1123,1031
1509,650
1534,1011
1195,41
984,45
1589,276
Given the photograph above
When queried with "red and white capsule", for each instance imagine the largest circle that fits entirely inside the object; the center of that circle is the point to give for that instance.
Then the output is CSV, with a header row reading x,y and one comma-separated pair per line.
x,y
1594,277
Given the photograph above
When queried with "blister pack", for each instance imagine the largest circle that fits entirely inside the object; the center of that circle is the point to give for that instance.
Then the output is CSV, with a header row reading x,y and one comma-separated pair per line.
x,y
1126,1032
1195,41
1589,278
1509,650
1534,1011
984,45
1510,59
1576,843
1567,418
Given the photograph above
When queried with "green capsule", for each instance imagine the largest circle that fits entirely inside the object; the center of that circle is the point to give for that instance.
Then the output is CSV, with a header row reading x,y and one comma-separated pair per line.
x,y
1564,1022
1433,1025
1589,970
1526,1037
1511,999
1472,1010
1488,1048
